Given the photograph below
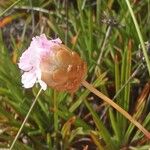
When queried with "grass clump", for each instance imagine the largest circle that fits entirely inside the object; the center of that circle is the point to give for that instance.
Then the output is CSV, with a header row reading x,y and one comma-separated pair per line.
x,y
104,34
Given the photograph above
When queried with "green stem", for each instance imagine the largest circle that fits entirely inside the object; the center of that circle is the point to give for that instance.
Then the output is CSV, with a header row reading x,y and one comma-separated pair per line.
x,y
55,112
22,125
102,50
104,44
139,35
11,6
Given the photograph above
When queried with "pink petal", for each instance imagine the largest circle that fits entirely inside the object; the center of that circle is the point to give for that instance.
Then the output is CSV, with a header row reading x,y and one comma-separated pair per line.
x,y
24,63
43,84
28,79
30,60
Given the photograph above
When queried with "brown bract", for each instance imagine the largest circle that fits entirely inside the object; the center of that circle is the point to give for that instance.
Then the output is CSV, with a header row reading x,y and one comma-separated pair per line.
x,y
63,69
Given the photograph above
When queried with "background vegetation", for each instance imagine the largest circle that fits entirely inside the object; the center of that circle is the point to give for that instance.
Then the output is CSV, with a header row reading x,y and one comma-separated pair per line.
x,y
103,33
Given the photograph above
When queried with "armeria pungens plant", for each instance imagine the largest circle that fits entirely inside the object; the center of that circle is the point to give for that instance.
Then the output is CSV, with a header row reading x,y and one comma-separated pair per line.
x,y
53,64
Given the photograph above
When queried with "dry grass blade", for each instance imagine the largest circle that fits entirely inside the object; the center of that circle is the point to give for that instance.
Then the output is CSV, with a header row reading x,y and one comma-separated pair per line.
x,y
117,107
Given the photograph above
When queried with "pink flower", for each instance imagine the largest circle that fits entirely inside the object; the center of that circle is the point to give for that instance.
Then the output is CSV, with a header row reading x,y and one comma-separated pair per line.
x,y
30,60
51,64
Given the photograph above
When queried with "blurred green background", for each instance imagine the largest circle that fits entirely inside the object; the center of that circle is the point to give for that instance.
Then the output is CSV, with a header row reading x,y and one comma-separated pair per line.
x,y
103,33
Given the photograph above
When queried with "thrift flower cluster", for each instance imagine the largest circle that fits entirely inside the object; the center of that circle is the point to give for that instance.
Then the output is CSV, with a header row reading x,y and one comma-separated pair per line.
x,y
50,63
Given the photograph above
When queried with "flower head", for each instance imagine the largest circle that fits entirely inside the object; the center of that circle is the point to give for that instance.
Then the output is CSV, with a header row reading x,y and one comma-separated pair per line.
x,y
52,64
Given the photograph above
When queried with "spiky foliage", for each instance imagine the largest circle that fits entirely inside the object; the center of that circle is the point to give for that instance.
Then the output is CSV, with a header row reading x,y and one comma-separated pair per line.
x,y
105,36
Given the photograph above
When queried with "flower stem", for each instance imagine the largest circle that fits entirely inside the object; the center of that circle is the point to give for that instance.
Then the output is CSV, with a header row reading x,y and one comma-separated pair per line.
x,y
55,111
22,125
117,107
10,7
139,34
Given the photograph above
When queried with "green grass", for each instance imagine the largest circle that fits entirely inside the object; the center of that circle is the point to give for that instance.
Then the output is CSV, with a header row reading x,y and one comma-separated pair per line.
x,y
62,121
